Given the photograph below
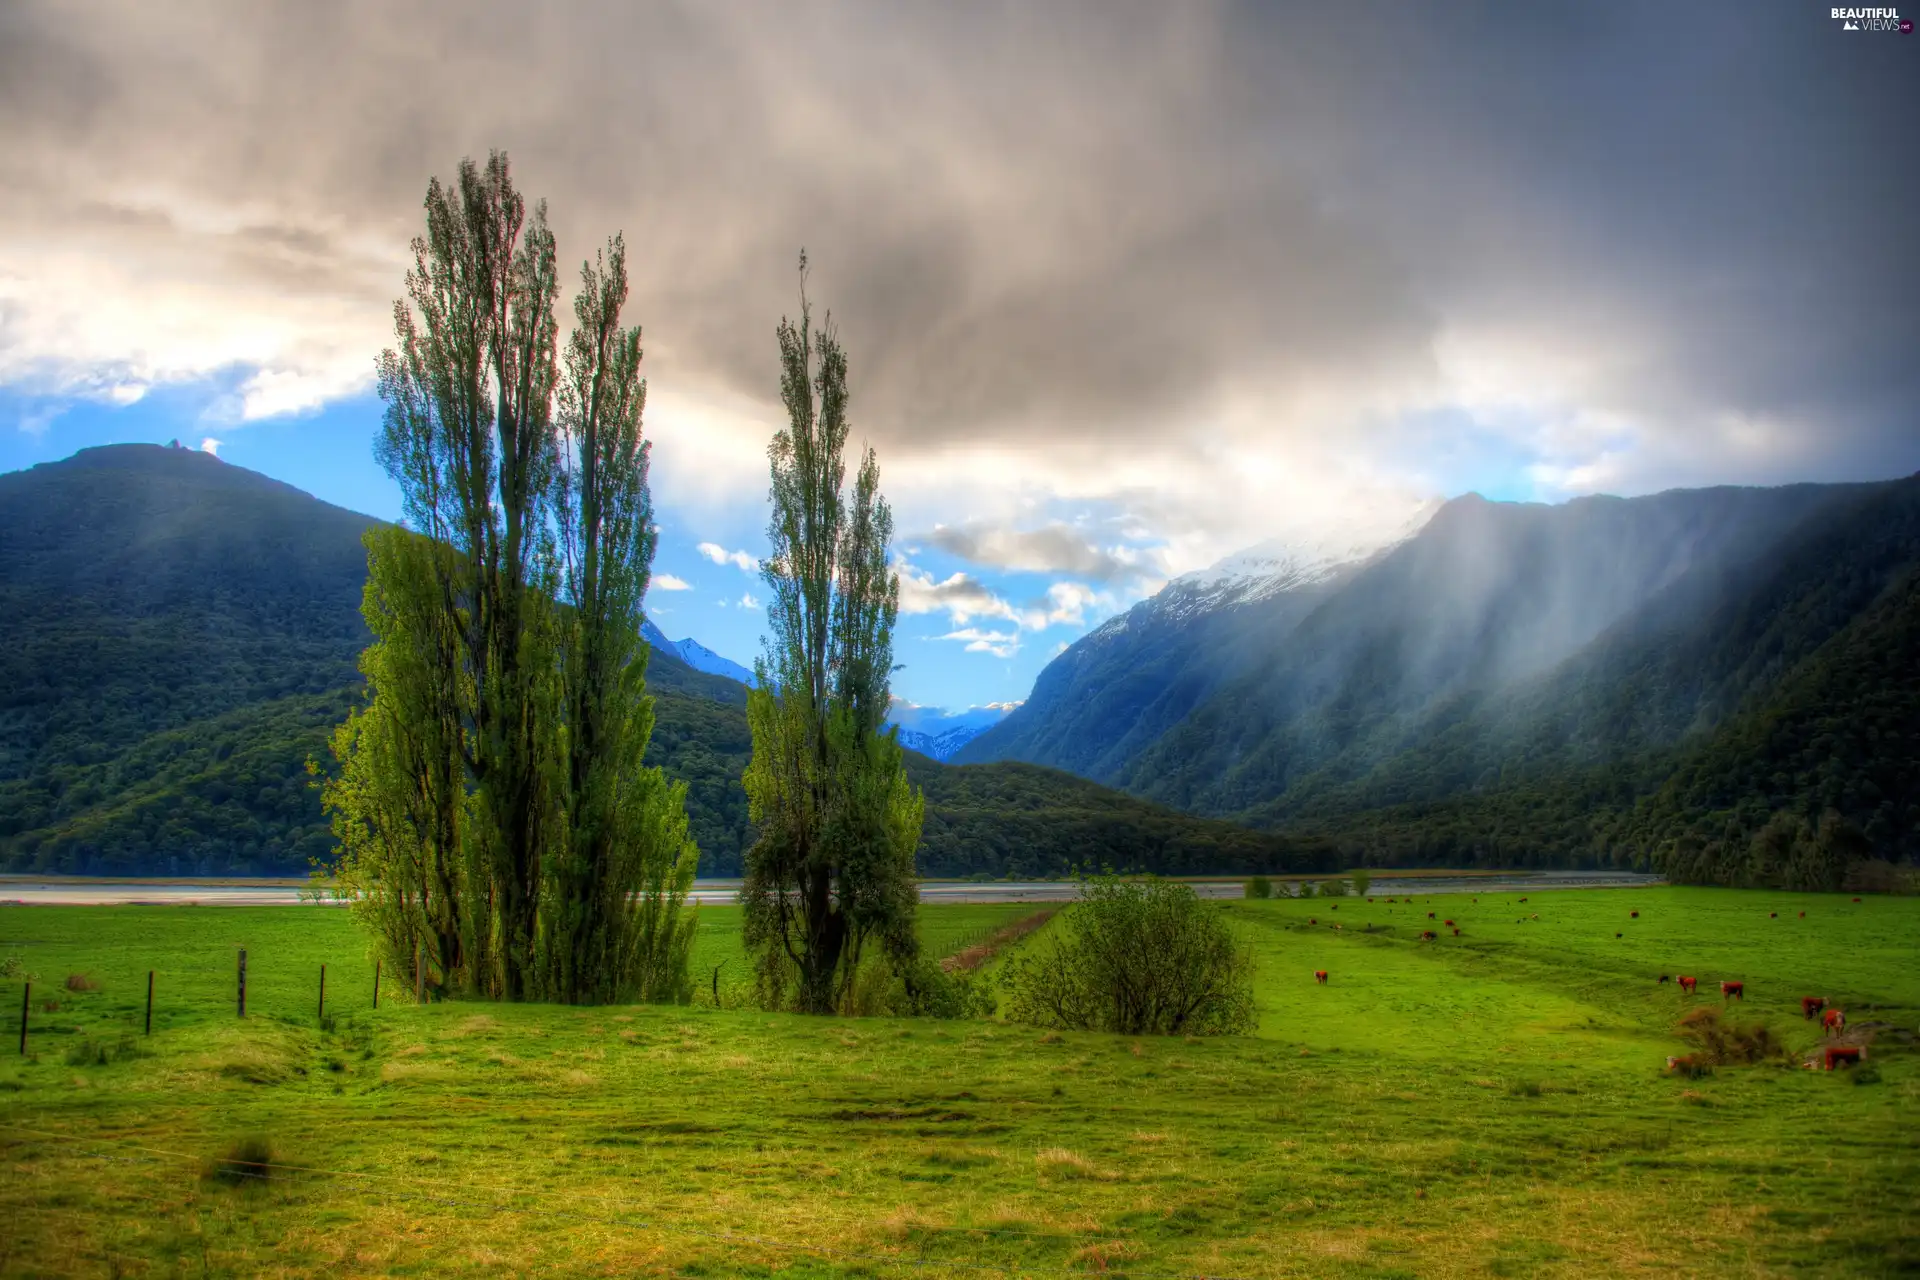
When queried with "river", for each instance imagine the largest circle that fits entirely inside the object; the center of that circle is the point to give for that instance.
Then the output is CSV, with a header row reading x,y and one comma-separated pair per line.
x,y
81,891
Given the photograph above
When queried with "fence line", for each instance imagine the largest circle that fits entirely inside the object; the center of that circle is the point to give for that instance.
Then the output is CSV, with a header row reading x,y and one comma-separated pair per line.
x,y
736,1239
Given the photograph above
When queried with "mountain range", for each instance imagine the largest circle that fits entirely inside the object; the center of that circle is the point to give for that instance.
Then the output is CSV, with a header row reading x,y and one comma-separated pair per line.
x,y
1722,681
183,633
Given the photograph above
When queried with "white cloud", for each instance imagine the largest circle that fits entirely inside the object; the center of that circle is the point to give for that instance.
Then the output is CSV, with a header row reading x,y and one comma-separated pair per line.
x,y
212,446
668,582
747,601
1001,644
720,555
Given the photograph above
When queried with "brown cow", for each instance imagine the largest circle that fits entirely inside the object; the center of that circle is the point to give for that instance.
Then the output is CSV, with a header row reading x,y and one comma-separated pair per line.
x,y
1773,915
1810,1005
1803,915
1313,920
1456,933
1834,1022
1320,976
1635,915
1447,923
1687,984
1430,915
1733,991
1428,936
1843,1055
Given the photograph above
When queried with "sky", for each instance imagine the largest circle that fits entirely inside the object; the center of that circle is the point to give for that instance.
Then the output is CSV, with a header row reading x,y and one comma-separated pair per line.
x,y
1124,287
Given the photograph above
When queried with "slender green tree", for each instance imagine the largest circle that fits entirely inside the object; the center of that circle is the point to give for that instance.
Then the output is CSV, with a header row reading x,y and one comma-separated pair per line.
x,y
622,863
832,869
490,804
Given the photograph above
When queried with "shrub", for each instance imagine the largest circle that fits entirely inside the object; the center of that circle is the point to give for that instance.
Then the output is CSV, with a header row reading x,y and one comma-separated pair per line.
x,y
248,1162
1361,882
15,966
1259,887
1137,957
98,1053
1866,1073
1723,1043
81,982
1333,889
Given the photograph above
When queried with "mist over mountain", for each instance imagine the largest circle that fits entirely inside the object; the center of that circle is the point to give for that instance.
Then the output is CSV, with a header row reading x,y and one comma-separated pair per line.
x,y
1610,679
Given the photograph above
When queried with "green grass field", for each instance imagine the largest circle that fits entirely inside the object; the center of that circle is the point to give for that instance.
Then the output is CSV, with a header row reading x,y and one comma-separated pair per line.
x,y
1492,1104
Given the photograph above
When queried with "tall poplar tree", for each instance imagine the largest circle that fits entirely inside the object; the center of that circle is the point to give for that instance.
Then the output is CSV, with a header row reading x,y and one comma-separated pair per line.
x,y
490,807
832,869
622,864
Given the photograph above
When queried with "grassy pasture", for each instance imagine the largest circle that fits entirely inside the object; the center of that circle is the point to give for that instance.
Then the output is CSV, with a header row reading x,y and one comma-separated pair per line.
x,y
1491,1104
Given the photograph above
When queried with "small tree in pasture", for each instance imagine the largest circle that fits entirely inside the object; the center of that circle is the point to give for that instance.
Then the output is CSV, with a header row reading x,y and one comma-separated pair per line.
x,y
1136,957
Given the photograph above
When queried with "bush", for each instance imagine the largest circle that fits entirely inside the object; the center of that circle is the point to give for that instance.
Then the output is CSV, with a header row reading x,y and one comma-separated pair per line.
x,y
1725,1043
15,966
1259,887
1361,883
99,1053
248,1162
81,982
1136,957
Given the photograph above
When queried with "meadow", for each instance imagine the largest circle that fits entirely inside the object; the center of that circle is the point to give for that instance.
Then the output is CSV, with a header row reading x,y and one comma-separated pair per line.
x,y
1488,1104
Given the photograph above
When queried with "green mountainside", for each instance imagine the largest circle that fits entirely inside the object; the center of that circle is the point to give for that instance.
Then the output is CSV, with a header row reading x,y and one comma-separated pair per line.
x,y
182,634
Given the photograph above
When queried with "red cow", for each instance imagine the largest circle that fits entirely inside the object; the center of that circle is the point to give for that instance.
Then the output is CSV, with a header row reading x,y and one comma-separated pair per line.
x,y
1313,920
1733,991
1688,984
1856,899
1834,1022
1456,933
1428,936
1810,1005
1320,976
1447,923
1803,915
1843,1055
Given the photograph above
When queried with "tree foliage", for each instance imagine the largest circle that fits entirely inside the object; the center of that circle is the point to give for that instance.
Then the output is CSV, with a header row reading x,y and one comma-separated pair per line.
x,y
1136,957
832,868
491,806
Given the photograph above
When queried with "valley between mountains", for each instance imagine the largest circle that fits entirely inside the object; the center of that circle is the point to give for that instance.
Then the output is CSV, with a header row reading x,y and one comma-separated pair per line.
x,y
1720,684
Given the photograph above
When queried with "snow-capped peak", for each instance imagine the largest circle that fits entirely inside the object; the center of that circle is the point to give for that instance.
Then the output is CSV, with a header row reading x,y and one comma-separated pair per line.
x,y
1290,561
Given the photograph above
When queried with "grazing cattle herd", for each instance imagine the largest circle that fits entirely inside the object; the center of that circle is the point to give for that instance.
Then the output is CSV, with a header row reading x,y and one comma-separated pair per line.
x,y
1833,1022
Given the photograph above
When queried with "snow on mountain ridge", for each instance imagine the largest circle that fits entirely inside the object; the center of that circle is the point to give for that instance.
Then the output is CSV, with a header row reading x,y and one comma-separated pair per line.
x,y
1287,562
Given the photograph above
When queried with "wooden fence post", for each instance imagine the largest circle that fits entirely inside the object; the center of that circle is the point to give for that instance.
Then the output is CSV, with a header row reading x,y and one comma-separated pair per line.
x,y
26,1001
376,984
243,982
149,1030
323,993
419,977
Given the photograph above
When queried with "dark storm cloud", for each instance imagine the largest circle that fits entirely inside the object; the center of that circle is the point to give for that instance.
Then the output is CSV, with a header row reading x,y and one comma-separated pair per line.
x,y
1040,226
